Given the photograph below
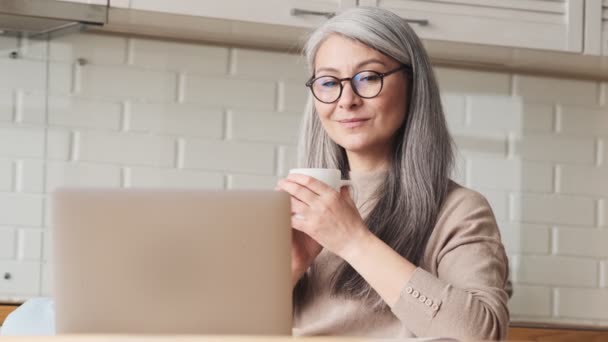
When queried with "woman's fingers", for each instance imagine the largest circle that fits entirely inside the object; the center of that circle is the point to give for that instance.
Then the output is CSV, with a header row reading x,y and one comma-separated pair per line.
x,y
298,191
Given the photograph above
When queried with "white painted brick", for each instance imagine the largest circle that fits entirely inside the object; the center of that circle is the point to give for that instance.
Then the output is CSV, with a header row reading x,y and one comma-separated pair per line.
x,y
6,174
584,121
535,208
288,159
499,201
75,112
8,241
266,127
71,112
34,109
510,174
94,48
230,92
472,82
8,43
560,271
60,78
177,56
603,213
478,143
564,91
500,114
538,117
270,65
47,280
295,97
35,47
556,149
125,82
21,142
229,156
24,277
252,182
177,119
454,109
32,175
132,149
29,244
19,209
6,105
59,142
604,154
585,180
81,174
583,303
525,238
604,280
173,178
47,243
459,172
530,301
582,242
23,74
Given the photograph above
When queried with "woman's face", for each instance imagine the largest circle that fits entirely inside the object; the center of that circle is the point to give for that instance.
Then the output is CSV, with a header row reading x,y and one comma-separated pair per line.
x,y
358,124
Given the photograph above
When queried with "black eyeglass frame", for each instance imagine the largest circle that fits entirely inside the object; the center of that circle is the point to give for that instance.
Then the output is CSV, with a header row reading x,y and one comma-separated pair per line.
x,y
350,79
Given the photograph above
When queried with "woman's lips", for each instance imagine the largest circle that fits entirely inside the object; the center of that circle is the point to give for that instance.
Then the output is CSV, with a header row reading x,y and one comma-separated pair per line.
x,y
353,123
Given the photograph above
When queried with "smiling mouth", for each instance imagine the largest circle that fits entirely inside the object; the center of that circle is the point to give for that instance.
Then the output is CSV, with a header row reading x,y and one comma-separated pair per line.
x,y
353,123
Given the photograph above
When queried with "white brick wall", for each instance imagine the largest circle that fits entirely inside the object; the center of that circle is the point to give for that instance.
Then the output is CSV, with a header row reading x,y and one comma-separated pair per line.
x,y
232,92
6,105
181,57
154,113
531,301
176,119
230,156
583,303
535,208
553,90
8,244
552,148
140,177
561,271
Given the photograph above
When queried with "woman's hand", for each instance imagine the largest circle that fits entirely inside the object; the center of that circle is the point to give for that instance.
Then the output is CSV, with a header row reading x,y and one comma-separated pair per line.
x,y
327,216
304,250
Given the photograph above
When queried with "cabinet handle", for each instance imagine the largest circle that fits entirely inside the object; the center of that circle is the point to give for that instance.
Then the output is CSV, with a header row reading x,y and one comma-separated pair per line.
x,y
299,11
421,22
7,276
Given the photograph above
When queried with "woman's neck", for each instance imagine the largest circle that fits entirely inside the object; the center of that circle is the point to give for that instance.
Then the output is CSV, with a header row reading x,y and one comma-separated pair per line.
x,y
367,162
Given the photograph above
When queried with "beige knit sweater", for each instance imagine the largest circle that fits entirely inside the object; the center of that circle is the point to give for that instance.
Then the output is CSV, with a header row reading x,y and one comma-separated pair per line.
x,y
460,290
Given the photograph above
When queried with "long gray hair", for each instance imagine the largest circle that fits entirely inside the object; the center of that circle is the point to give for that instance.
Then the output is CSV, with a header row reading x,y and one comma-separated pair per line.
x,y
422,157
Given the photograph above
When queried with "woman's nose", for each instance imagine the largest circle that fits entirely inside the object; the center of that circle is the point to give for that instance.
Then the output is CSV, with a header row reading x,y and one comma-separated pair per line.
x,y
349,98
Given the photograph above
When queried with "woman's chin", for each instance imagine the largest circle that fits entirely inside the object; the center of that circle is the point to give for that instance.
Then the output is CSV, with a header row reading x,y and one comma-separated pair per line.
x,y
356,146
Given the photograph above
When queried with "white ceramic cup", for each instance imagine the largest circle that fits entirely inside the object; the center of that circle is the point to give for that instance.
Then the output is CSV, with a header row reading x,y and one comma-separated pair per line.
x,y
331,177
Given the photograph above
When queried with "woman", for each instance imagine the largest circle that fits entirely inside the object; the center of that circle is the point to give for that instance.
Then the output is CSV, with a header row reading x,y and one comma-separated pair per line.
x,y
406,252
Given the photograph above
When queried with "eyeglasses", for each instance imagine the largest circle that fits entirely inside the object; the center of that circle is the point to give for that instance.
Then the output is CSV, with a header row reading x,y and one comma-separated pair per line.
x,y
366,84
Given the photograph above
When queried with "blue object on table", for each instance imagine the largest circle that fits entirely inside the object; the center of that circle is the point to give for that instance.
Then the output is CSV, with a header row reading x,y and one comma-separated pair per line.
x,y
35,317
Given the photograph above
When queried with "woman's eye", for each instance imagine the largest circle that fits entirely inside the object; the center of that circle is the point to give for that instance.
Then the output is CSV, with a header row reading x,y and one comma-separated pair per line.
x,y
328,84
369,78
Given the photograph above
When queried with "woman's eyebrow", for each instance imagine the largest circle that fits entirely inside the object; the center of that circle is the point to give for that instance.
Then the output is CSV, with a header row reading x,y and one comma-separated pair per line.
x,y
365,62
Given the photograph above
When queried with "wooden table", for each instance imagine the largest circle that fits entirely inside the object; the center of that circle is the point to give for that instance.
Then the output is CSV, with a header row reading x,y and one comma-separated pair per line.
x,y
517,332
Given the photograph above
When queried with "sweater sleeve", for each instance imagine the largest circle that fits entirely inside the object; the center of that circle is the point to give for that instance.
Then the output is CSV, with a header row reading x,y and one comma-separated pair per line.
x,y
467,297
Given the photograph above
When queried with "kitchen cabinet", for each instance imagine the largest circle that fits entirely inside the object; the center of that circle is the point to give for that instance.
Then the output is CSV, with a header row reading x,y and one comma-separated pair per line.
x,y
539,24
596,27
295,13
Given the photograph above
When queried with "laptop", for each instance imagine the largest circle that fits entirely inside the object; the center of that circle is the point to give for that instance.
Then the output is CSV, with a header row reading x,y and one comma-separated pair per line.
x,y
144,261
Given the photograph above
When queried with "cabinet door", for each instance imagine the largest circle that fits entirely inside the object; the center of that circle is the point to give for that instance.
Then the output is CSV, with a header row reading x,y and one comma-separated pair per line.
x,y
297,13
538,24
596,27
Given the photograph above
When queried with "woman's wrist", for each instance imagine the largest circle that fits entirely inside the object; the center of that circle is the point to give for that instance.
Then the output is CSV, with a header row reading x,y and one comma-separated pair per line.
x,y
356,245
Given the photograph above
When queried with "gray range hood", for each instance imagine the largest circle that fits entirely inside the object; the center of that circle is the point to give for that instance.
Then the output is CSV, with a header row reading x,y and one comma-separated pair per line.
x,y
37,17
